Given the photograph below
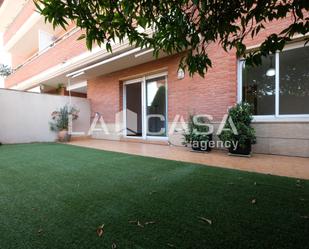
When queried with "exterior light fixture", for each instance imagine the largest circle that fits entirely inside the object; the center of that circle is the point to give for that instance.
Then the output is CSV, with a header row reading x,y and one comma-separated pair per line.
x,y
180,74
271,71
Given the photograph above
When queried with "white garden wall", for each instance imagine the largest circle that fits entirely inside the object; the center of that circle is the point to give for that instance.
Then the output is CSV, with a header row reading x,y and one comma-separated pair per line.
x,y
25,117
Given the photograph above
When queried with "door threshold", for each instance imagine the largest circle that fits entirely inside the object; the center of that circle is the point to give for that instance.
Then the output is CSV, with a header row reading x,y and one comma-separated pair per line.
x,y
145,141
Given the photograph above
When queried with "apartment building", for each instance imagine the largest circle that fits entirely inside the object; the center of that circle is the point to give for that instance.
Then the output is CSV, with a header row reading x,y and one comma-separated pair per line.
x,y
131,80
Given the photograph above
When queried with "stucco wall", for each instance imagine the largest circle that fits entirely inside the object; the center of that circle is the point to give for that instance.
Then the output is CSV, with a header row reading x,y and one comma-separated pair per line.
x,y
25,117
283,138
277,138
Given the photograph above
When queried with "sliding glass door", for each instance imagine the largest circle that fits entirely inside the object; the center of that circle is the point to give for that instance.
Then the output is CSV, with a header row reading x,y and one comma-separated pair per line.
x,y
134,110
145,107
156,106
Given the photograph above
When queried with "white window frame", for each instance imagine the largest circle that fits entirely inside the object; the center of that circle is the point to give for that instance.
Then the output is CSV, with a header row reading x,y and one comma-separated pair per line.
x,y
276,117
143,80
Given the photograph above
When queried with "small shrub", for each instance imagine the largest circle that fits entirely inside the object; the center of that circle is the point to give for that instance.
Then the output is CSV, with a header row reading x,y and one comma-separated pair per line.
x,y
197,134
241,115
60,119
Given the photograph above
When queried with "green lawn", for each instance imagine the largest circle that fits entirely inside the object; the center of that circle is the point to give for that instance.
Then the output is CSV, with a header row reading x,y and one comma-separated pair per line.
x,y
55,196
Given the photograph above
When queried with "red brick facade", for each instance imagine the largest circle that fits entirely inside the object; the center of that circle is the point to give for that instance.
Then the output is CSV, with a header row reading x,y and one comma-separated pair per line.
x,y
210,95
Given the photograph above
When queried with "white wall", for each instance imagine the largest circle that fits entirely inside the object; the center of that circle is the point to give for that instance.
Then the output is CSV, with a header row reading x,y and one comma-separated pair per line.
x,y
1,58
25,116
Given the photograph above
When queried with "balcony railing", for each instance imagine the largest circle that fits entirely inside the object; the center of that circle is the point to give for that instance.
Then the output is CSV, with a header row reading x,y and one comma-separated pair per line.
x,y
53,44
61,50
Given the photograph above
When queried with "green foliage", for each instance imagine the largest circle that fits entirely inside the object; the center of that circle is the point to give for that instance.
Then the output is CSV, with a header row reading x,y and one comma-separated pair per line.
x,y
60,119
182,25
5,70
241,115
196,132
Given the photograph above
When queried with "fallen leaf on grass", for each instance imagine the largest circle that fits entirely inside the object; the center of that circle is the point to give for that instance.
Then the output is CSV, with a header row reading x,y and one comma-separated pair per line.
x,y
136,222
171,245
149,222
139,224
100,230
298,184
205,220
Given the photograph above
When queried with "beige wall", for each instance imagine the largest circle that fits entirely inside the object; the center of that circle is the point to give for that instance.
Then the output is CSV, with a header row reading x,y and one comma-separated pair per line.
x,y
25,117
278,138
291,139
282,138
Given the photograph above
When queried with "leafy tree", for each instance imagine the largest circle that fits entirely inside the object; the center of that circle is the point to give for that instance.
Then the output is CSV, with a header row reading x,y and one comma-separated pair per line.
x,y
187,26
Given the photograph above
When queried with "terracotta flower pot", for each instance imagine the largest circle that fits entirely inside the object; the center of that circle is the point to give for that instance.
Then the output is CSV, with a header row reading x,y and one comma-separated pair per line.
x,y
64,136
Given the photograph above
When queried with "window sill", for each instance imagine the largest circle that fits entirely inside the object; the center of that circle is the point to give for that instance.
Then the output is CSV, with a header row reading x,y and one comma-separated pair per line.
x,y
282,119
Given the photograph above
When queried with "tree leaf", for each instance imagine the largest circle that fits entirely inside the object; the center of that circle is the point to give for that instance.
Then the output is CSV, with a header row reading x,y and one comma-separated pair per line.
x,y
100,230
206,220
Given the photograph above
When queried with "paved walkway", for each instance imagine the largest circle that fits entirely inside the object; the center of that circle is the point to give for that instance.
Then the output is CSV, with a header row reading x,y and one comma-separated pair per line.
x,y
267,164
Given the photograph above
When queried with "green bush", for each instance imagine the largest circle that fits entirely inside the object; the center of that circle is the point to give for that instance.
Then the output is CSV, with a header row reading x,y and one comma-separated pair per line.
x,y
60,119
241,115
195,132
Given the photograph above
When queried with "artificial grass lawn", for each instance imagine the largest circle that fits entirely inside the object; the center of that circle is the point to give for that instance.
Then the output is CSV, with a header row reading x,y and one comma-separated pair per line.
x,y
55,196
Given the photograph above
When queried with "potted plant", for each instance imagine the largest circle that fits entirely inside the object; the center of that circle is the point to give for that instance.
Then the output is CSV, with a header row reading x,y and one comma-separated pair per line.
x,y
60,122
244,137
197,135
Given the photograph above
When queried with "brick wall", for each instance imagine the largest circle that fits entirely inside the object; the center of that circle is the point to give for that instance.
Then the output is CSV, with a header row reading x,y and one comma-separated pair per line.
x,y
210,95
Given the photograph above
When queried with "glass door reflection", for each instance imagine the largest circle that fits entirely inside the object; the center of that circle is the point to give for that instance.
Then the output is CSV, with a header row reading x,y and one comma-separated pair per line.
x,y
156,106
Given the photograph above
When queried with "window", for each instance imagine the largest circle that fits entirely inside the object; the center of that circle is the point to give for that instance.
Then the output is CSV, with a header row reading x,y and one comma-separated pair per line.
x,y
259,87
278,87
156,106
294,81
